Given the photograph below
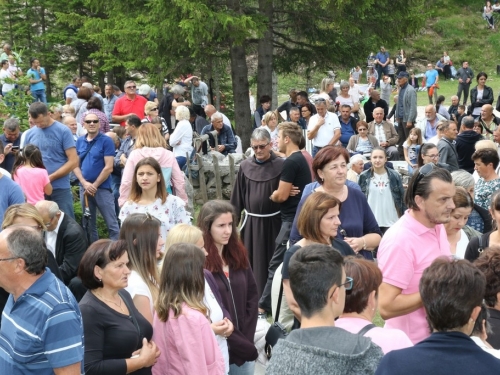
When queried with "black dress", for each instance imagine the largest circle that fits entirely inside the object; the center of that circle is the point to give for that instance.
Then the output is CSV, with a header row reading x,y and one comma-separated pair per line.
x,y
111,337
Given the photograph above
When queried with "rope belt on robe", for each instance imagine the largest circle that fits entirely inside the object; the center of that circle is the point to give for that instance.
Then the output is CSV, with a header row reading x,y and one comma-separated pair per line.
x,y
247,214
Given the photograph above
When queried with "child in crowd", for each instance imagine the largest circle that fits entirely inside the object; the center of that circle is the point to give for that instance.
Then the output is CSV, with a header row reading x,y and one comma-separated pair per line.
x,y
411,148
391,68
30,173
461,115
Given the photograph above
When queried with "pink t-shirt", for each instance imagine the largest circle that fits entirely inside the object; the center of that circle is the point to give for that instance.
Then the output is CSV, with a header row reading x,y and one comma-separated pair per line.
x,y
32,181
405,251
388,339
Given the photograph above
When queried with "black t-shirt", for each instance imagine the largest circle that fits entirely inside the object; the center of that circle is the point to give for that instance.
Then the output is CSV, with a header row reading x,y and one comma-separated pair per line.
x,y
340,245
296,171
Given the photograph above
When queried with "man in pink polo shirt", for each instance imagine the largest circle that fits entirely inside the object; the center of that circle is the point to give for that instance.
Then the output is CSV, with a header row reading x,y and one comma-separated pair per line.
x,y
410,246
128,104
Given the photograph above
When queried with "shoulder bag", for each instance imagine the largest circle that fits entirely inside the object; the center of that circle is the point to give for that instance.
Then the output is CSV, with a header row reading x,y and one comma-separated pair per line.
x,y
276,331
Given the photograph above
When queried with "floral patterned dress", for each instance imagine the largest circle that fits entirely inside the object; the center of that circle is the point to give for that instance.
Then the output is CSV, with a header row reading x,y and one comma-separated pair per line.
x,y
170,213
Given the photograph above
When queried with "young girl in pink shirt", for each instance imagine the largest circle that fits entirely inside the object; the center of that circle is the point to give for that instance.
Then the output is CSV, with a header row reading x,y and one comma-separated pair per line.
x,y
30,173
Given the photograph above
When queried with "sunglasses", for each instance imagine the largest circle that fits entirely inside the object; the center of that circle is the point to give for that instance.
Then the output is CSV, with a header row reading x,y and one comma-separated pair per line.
x,y
131,87
91,121
362,129
259,147
320,100
153,109
422,172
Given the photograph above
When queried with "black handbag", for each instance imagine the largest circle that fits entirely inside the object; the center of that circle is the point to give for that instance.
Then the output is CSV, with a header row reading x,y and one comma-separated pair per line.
x,y
277,330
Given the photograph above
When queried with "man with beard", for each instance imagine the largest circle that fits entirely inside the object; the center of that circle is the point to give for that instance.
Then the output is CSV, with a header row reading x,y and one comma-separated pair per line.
x,y
257,178
410,246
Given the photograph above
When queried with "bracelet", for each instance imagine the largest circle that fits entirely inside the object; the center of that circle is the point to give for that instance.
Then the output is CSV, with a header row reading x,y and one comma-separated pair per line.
x,y
364,243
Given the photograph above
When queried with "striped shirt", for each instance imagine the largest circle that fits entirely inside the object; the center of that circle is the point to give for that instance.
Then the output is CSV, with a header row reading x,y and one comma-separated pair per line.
x,y
42,330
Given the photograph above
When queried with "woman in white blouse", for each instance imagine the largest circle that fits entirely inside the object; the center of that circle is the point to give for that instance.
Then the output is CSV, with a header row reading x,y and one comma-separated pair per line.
x,y
144,246
181,139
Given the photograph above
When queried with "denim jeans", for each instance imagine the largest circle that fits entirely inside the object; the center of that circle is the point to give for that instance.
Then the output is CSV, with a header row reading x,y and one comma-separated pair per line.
x,y
315,150
64,199
104,200
115,186
247,368
39,96
181,160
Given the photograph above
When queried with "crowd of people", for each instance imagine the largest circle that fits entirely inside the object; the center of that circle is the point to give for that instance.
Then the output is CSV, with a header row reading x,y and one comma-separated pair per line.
x,y
324,241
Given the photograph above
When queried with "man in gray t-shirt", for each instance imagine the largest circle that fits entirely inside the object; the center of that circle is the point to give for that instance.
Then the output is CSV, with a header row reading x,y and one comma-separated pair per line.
x,y
199,94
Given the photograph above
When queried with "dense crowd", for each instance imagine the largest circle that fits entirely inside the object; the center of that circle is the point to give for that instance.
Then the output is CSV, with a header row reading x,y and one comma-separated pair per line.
x,y
388,214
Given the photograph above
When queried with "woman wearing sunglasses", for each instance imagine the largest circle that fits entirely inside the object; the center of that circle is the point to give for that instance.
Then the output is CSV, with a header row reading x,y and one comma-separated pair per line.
x,y
361,306
362,143
152,116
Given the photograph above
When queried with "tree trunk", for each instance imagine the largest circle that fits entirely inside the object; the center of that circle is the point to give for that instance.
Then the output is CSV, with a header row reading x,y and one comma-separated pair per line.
x,y
265,54
239,76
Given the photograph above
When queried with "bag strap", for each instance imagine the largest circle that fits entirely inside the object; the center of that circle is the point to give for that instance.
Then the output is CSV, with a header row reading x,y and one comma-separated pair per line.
x,y
480,247
278,307
132,315
366,328
82,158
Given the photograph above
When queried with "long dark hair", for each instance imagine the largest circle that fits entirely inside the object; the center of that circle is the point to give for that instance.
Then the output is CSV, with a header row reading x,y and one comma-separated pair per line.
x,y
161,189
439,101
234,253
29,155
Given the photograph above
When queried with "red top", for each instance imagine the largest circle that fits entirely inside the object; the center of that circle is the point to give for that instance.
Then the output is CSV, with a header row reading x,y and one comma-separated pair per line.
x,y
124,106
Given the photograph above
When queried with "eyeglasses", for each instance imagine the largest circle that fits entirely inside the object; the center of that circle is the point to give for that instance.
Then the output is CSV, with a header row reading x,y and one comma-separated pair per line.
x,y
5,259
348,285
131,87
422,172
153,109
432,156
259,147
91,121
362,129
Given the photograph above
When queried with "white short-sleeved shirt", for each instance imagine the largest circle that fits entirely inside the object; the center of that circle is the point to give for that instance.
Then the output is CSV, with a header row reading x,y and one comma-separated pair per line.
x,y
325,132
381,201
138,287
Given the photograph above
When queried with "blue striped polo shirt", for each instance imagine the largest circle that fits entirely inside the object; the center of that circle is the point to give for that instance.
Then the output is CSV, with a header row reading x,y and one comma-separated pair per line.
x,y
42,330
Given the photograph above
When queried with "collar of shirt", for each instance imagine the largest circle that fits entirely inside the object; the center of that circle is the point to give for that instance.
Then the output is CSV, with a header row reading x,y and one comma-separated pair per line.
x,y
417,226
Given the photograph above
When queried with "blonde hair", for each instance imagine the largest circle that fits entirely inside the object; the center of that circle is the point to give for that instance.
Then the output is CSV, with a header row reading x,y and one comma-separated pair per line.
x,y
25,210
69,108
485,143
183,233
267,117
148,135
149,106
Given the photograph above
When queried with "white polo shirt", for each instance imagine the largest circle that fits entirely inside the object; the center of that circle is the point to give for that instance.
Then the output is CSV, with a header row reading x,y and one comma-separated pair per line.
x,y
325,132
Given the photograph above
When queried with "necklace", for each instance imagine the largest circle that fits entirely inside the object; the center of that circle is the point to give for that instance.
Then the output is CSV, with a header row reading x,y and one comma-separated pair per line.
x,y
107,300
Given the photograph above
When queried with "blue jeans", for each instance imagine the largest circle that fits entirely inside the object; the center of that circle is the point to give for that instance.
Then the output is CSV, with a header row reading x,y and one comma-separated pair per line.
x,y
315,150
247,368
181,160
105,201
116,181
39,96
64,199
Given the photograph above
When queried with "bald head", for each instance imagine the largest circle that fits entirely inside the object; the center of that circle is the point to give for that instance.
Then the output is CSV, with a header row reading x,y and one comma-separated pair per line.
x,y
71,123
430,112
210,110
487,112
375,95
115,139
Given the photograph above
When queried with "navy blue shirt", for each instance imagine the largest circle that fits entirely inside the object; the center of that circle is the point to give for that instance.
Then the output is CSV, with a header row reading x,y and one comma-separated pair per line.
x,y
8,162
93,164
346,131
